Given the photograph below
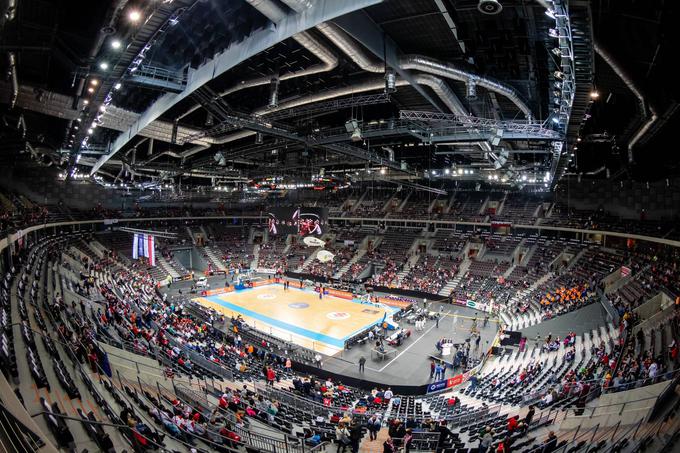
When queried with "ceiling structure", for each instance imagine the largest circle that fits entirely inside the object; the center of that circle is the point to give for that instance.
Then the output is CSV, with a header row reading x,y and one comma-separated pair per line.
x,y
212,91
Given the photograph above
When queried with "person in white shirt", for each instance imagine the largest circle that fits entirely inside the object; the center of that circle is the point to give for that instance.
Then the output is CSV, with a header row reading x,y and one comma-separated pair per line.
x,y
388,394
653,369
547,399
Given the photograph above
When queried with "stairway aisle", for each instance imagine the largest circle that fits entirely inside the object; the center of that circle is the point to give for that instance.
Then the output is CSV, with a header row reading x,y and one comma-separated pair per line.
x,y
375,446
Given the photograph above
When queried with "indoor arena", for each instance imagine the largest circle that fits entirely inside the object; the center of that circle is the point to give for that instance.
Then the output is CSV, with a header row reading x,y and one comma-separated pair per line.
x,y
339,226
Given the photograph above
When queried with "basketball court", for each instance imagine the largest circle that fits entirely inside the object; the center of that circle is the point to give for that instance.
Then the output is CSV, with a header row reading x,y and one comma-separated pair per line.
x,y
298,315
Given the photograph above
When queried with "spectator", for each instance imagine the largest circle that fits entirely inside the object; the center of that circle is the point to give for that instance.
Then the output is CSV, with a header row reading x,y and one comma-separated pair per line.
x,y
342,437
550,443
486,440
373,425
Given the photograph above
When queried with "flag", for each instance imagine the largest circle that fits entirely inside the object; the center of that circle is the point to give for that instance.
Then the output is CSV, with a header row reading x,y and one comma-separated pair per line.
x,y
144,245
152,250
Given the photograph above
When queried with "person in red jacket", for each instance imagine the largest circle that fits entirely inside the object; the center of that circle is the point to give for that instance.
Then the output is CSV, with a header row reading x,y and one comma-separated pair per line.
x,y
271,376
512,424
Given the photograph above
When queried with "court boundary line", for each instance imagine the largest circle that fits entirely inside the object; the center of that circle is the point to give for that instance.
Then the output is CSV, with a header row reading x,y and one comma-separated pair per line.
x,y
410,346
222,300
312,335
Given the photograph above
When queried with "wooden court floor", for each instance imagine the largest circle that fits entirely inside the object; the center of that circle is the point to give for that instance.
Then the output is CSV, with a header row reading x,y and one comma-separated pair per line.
x,y
298,315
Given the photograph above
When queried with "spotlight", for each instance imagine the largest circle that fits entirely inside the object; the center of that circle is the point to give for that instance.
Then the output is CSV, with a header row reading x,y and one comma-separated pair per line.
x,y
550,13
116,44
558,75
553,33
85,102
390,81
117,86
447,171
489,7
90,131
102,108
557,51
103,66
555,120
383,171
90,90
594,94
134,15
94,82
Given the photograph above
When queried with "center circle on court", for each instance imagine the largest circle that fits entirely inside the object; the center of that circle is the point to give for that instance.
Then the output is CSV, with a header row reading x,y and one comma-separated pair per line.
x,y
298,305
337,315
266,296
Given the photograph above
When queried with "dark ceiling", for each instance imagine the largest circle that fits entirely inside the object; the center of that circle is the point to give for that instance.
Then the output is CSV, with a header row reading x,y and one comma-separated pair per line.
x,y
53,41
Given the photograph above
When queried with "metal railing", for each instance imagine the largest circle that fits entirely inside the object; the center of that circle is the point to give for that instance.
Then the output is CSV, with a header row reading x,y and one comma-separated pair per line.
x,y
298,402
16,436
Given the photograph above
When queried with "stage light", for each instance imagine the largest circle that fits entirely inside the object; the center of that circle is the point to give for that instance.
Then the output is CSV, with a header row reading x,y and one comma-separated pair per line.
x,y
118,86
550,13
447,171
116,44
85,102
134,15
383,171
90,90
102,108
103,66
552,32
558,75
94,82
594,94
460,171
90,131
78,119
555,120
578,139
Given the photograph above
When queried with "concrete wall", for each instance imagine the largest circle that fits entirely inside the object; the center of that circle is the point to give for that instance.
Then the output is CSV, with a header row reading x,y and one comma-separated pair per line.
x,y
629,407
653,306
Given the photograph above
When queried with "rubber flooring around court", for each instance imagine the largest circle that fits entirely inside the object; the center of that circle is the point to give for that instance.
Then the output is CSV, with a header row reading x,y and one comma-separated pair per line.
x,y
298,315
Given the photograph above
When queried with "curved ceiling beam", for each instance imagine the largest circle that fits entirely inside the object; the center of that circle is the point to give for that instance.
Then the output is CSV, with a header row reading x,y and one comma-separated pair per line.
x,y
364,30
350,48
258,41
329,60
647,111
436,84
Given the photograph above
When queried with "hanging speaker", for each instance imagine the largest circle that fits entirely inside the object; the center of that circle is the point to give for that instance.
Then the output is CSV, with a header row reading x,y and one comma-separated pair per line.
x,y
489,7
